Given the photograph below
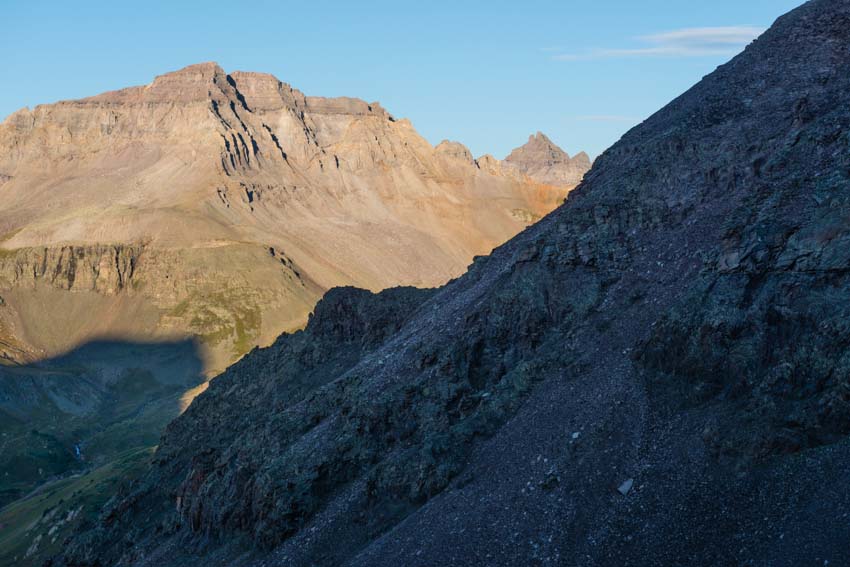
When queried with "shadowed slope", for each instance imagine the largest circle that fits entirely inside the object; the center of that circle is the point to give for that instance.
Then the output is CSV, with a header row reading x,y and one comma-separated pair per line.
x,y
653,374
75,420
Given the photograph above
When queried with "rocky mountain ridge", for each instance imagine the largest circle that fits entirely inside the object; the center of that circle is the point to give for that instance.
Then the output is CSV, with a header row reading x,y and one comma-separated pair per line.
x,y
652,374
242,201
209,210
538,160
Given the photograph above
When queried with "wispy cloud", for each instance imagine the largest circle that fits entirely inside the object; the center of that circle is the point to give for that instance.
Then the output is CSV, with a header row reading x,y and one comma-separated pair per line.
x,y
606,118
688,42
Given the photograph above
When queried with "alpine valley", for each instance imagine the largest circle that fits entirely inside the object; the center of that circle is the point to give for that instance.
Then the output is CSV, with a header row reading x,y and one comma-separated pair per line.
x,y
656,373
152,236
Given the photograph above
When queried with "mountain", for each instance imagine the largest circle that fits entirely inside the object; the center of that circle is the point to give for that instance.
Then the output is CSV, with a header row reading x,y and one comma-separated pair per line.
x,y
542,160
222,206
151,236
654,374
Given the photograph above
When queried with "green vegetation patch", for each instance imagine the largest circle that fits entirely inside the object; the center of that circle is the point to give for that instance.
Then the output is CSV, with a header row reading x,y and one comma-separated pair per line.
x,y
223,316
34,528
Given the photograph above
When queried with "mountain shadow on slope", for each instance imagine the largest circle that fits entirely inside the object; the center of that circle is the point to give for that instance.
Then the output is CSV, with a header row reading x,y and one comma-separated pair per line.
x,y
653,374
68,413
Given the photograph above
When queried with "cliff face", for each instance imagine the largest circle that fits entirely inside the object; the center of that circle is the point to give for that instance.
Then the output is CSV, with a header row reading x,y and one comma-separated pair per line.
x,y
280,194
101,268
653,374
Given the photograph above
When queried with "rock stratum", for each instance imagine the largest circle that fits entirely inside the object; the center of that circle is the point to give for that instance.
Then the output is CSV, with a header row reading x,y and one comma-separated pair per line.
x,y
222,206
654,374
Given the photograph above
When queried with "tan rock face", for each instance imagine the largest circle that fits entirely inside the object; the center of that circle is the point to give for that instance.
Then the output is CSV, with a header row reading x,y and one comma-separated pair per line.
x,y
454,150
233,201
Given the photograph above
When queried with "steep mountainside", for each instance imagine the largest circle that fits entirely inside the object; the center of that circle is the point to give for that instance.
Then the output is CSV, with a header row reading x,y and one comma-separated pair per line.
x,y
655,374
222,206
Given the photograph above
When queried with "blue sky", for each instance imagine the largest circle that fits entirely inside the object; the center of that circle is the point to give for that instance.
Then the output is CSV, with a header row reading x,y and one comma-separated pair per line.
x,y
485,73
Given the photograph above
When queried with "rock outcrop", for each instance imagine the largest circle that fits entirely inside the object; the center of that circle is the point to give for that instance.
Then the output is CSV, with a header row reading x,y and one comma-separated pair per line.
x,y
194,177
457,151
101,268
655,373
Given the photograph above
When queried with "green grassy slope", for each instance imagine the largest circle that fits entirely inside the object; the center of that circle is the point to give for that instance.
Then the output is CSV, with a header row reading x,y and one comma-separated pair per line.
x,y
33,528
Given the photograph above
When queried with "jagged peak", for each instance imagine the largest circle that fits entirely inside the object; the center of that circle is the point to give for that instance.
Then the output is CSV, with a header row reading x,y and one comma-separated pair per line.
x,y
544,161
538,142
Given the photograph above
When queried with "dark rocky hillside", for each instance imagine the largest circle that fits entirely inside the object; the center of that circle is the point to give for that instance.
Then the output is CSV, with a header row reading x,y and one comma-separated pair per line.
x,y
655,374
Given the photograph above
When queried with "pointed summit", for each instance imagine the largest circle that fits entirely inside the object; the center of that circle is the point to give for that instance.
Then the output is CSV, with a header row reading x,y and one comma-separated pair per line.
x,y
542,160
538,145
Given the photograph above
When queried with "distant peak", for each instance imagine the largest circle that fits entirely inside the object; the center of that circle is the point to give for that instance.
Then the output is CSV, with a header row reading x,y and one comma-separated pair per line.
x,y
537,145
541,159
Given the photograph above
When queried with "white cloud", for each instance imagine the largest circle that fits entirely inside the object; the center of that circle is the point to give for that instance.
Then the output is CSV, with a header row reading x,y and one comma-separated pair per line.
x,y
688,42
707,37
